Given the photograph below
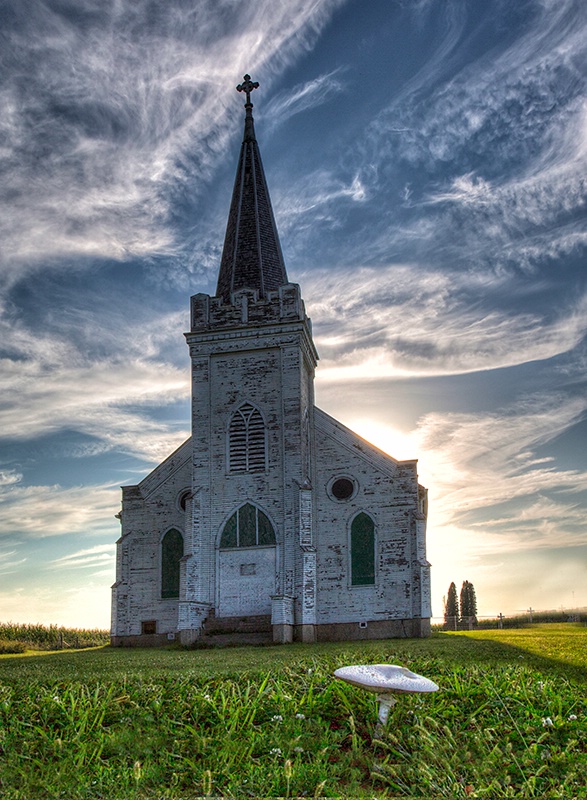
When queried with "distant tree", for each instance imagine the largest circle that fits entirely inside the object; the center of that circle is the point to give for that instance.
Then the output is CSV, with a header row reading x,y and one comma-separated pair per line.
x,y
451,608
468,605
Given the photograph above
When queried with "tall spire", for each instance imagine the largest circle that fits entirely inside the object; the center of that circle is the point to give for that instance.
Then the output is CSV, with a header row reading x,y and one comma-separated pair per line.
x,y
251,258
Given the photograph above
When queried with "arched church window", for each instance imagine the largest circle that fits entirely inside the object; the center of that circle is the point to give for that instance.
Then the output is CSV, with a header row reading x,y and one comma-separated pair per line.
x,y
362,550
247,527
246,440
171,554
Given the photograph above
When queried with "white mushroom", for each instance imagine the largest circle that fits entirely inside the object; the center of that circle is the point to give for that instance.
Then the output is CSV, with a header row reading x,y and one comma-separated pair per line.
x,y
385,680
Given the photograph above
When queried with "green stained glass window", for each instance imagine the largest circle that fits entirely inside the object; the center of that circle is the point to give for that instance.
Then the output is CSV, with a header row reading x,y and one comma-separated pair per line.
x,y
171,554
228,538
362,550
265,532
247,527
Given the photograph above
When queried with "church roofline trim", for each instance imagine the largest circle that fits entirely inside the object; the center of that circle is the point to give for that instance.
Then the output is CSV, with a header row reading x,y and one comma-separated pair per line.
x,y
358,445
155,485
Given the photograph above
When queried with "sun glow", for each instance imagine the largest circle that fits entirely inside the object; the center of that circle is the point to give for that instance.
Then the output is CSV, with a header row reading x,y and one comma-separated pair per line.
x,y
398,444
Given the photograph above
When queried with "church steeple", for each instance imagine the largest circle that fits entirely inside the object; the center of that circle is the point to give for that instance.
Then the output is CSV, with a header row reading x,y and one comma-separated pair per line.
x,y
252,257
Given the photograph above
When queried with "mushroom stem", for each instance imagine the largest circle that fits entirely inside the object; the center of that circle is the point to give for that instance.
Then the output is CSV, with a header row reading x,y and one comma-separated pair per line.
x,y
386,701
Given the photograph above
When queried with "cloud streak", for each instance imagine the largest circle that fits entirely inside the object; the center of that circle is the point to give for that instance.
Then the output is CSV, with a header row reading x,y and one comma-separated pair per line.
x,y
402,320
120,108
303,97
40,511
489,483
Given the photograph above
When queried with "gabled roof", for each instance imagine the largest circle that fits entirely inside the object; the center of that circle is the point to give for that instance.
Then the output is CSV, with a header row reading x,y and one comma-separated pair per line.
x,y
252,257
361,447
166,469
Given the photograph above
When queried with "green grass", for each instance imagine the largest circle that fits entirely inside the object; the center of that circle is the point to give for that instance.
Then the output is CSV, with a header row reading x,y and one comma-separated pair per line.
x,y
510,720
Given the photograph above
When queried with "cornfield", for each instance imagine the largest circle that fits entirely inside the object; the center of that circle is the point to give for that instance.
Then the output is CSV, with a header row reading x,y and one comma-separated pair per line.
x,y
52,637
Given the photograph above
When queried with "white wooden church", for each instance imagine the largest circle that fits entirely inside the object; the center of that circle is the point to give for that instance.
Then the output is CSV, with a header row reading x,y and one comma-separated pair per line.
x,y
273,521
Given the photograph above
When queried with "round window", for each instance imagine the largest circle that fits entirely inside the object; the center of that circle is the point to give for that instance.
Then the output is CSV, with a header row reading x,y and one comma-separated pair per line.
x,y
342,488
183,498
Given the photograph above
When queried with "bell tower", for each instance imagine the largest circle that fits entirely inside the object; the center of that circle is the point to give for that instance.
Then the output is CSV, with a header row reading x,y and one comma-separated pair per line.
x,y
249,546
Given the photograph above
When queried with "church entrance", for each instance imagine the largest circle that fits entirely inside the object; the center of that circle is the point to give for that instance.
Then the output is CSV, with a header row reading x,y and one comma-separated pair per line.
x,y
246,580
246,564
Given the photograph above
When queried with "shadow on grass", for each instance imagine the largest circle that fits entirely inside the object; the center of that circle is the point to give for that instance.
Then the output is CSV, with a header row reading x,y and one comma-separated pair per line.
x,y
460,647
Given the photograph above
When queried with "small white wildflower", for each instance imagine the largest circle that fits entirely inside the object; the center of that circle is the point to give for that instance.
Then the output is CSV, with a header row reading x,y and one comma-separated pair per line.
x,y
275,751
207,697
303,716
298,749
277,718
309,671
572,717
547,722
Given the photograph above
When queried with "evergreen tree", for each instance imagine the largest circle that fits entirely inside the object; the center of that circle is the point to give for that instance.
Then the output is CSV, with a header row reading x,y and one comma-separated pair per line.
x,y
451,608
468,605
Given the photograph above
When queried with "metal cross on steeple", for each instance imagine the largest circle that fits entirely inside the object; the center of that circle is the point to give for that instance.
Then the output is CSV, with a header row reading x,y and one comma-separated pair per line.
x,y
247,86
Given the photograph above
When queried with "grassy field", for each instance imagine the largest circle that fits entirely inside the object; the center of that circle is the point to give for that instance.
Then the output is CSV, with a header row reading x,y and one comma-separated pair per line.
x,y
510,720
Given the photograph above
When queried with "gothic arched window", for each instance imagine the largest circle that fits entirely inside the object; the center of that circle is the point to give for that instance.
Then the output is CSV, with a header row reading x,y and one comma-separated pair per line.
x,y
171,554
246,440
362,550
247,527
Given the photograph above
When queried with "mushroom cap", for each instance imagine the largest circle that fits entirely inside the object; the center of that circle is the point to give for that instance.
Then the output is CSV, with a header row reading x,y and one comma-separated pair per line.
x,y
383,678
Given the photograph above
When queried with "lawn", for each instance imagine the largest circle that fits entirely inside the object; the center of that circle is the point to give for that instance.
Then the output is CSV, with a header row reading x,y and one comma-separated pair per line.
x,y
510,720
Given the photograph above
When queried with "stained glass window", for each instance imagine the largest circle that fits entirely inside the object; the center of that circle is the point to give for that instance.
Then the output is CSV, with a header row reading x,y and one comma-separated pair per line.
x,y
362,550
171,554
247,527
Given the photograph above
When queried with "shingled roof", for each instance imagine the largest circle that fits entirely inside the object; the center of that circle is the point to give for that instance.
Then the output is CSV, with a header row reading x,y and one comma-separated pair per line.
x,y
252,257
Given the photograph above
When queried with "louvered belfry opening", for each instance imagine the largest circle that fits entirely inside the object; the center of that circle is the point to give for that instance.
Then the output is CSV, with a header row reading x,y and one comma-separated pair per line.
x,y
246,440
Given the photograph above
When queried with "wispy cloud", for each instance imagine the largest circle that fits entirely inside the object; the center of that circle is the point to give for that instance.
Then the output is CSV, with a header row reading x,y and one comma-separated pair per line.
x,y
55,382
9,477
120,109
489,483
99,556
40,511
403,320
8,563
303,97
497,142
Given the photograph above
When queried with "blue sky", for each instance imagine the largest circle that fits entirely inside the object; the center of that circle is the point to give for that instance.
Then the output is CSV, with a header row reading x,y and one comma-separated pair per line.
x,y
427,164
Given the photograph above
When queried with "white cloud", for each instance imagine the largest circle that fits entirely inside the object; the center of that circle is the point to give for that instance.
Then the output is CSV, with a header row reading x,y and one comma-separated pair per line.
x,y
303,97
403,320
50,383
8,563
98,556
483,467
516,117
40,511
317,193
9,477
118,113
